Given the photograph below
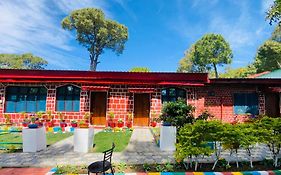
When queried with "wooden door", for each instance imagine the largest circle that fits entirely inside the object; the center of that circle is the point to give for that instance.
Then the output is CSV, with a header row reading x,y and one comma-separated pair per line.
x,y
272,104
98,108
141,109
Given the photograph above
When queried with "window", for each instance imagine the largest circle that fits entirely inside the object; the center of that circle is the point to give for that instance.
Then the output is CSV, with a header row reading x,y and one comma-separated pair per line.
x,y
25,99
173,94
246,103
68,98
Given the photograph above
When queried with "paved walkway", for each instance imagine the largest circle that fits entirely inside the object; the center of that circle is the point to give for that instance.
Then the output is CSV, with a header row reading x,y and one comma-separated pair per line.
x,y
141,149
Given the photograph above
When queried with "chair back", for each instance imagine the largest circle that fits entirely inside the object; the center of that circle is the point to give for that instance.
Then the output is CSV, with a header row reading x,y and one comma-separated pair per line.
x,y
108,154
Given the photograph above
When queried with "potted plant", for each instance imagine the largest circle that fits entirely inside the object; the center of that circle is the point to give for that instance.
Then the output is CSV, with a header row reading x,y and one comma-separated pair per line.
x,y
129,121
153,122
62,121
26,121
87,117
49,119
110,121
74,123
7,119
83,124
120,123
33,124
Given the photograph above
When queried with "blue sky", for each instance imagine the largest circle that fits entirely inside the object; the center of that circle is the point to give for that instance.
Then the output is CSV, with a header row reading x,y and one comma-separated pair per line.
x,y
159,30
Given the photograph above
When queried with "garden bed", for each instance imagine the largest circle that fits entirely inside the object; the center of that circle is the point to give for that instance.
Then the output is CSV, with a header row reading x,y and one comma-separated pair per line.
x,y
103,140
124,168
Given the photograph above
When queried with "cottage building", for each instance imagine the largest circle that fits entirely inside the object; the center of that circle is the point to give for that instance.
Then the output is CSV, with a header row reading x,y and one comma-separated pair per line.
x,y
124,94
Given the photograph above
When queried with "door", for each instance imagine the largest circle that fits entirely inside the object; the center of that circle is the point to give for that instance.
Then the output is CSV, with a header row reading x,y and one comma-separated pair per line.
x,y
272,104
141,109
98,108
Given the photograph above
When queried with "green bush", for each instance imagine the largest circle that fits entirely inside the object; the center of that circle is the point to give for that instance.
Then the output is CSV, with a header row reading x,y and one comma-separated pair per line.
x,y
177,113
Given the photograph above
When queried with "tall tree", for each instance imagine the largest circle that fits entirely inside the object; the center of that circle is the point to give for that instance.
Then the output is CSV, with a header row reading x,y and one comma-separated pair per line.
x,y
268,57
96,33
140,69
240,72
208,53
274,13
24,61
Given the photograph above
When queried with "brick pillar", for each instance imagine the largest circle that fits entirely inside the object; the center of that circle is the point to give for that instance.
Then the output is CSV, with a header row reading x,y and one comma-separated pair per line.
x,y
155,104
2,102
261,104
120,102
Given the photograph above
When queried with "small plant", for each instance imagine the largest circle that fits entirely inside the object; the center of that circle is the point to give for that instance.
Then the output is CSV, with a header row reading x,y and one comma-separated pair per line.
x,y
169,167
7,119
111,115
74,123
146,167
120,123
83,124
160,168
87,116
121,167
120,120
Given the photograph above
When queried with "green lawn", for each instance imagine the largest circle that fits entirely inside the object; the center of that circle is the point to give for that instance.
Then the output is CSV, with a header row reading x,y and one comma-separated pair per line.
x,y
103,141
17,137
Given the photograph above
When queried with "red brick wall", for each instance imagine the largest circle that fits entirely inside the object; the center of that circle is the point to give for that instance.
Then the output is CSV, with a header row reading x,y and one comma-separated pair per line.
x,y
217,100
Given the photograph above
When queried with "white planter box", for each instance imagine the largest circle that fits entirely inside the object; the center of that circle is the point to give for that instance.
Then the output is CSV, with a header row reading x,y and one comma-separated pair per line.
x,y
34,139
168,138
83,139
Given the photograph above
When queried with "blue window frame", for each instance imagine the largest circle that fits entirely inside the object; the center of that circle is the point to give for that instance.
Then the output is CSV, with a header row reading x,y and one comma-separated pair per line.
x,y
68,98
172,94
25,99
246,103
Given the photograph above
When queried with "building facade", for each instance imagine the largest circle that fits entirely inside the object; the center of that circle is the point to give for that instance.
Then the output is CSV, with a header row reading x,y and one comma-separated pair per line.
x,y
75,94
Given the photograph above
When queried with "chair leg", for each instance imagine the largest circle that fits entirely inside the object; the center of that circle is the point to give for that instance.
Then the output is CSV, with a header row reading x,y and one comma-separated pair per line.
x,y
112,172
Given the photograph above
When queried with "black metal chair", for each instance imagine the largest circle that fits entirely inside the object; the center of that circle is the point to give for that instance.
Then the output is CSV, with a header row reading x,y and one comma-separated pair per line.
x,y
102,166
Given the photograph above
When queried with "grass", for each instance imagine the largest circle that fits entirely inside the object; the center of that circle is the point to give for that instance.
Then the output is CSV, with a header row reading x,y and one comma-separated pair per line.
x,y
17,138
103,141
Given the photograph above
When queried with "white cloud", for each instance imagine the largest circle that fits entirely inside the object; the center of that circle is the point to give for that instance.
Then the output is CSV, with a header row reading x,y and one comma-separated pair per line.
x,y
34,26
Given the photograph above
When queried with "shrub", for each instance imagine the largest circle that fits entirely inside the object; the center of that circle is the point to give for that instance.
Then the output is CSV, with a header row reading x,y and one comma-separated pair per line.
x,y
177,113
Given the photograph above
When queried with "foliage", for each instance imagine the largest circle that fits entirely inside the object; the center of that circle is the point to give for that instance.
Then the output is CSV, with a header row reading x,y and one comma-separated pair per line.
x,y
268,57
232,139
70,169
206,54
177,113
140,69
96,33
121,167
146,167
24,61
241,72
274,13
269,132
205,115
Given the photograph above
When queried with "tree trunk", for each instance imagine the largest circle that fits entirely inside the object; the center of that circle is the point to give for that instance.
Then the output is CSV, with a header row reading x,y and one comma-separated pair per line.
x,y
94,62
216,71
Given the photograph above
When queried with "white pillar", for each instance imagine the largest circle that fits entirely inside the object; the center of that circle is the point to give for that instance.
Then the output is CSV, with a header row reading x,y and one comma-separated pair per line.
x,y
168,138
83,139
34,139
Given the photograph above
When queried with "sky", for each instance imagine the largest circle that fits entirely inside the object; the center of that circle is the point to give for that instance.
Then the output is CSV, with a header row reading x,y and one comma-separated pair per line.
x,y
159,30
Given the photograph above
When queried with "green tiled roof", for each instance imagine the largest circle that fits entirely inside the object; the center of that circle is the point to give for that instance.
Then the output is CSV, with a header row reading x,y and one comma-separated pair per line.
x,y
273,74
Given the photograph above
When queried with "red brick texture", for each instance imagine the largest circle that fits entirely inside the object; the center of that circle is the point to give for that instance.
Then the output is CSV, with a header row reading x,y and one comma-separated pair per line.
x,y
218,100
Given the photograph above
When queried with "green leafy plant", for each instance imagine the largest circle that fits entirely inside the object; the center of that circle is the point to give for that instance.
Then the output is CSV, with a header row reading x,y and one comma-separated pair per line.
x,y
121,167
169,167
177,113
160,168
146,167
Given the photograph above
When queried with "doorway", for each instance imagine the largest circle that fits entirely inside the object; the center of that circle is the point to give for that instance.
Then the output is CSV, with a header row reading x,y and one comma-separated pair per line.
x,y
98,108
141,109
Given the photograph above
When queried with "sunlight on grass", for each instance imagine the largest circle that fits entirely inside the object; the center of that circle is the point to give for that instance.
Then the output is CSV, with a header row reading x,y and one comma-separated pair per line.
x,y
103,141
